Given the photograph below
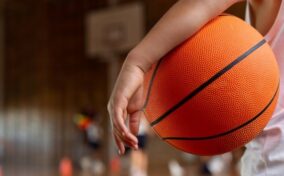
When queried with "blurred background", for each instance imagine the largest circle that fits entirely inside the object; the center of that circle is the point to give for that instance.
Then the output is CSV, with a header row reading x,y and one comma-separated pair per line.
x,y
58,62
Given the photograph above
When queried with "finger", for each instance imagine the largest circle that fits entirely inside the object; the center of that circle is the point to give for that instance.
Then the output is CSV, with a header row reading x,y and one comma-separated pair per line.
x,y
128,139
119,144
122,130
118,117
136,102
134,121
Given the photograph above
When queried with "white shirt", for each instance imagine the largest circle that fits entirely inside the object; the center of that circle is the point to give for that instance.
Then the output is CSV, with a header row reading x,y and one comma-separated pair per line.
x,y
265,154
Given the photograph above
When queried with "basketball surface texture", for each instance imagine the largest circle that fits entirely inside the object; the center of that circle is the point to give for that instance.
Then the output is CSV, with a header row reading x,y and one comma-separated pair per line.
x,y
216,91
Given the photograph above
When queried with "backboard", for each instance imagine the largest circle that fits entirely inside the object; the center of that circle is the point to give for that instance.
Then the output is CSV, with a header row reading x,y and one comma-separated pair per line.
x,y
116,29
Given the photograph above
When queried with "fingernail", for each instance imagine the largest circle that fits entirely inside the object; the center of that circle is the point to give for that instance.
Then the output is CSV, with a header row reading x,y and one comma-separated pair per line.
x,y
119,152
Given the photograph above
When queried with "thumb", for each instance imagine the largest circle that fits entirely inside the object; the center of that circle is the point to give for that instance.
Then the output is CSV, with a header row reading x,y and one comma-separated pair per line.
x,y
134,109
134,121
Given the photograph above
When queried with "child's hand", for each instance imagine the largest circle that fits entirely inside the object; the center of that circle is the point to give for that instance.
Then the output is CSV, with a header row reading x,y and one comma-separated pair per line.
x,y
125,105
180,22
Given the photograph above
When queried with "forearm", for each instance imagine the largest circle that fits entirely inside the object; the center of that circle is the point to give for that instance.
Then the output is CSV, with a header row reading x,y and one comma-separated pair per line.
x,y
179,23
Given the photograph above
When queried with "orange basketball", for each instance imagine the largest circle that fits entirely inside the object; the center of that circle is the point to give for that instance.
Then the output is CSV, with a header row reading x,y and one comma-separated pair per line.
x,y
214,92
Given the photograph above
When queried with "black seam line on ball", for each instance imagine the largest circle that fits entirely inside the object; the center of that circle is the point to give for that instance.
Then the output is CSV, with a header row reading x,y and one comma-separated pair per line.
x,y
151,83
208,82
227,132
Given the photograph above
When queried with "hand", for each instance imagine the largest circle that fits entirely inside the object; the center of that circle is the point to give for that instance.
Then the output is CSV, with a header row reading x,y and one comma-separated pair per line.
x,y
178,24
125,104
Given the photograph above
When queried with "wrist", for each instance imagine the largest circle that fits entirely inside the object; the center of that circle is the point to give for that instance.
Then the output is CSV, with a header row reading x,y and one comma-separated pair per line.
x,y
139,59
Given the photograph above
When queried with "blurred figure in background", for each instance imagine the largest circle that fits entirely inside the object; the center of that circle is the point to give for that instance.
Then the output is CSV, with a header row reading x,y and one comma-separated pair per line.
x,y
88,122
139,158
225,164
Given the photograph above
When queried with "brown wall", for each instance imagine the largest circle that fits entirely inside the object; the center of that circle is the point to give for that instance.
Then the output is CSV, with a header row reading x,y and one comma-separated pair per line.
x,y
47,80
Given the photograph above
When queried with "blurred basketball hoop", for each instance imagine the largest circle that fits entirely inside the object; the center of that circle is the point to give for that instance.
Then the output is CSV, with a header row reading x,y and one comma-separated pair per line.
x,y
114,30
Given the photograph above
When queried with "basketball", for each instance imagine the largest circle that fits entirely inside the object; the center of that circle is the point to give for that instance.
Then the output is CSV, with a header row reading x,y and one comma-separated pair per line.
x,y
216,91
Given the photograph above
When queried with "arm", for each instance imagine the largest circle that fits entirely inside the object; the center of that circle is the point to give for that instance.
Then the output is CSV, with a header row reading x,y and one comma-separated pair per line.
x,y
179,23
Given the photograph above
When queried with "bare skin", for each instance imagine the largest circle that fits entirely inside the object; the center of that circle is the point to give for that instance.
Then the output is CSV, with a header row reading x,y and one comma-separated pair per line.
x,y
264,13
179,23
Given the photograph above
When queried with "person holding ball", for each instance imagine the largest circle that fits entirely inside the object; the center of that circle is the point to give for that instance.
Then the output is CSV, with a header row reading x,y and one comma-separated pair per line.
x,y
265,154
